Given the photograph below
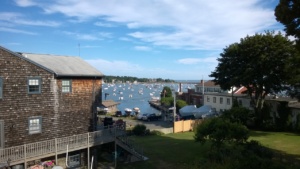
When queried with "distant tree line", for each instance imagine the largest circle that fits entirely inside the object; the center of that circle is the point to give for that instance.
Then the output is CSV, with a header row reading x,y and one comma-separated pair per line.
x,y
123,79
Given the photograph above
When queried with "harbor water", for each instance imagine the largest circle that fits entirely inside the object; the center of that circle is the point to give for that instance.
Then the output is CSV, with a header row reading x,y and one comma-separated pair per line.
x,y
131,95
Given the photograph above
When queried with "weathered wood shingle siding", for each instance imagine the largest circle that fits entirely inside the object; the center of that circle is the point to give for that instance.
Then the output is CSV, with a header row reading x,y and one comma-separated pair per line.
x,y
63,114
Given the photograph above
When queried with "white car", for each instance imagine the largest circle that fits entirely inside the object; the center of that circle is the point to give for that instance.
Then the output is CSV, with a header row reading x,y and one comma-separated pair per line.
x,y
140,116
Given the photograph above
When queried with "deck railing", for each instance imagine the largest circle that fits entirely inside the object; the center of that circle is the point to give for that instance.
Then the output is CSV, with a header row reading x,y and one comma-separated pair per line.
x,y
42,149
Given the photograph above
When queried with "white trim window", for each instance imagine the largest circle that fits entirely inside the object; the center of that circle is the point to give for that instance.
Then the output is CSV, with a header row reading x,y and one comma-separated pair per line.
x,y
74,160
35,125
34,85
66,86
221,100
228,101
1,88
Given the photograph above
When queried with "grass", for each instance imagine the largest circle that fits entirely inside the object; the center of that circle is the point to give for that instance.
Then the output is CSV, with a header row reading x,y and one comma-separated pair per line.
x,y
287,143
179,150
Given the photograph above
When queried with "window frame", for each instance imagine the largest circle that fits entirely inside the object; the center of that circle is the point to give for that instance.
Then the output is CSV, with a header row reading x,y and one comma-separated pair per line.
x,y
39,85
74,160
214,99
221,100
69,85
228,101
35,131
207,99
1,88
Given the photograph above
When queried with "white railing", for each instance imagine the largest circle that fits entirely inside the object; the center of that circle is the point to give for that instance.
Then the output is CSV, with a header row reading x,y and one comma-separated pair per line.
x,y
27,152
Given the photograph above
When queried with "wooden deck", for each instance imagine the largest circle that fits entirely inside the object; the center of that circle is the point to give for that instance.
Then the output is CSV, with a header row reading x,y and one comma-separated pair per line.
x,y
28,152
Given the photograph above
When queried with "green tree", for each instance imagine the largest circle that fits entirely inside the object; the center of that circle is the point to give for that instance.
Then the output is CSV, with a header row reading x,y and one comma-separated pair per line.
x,y
237,115
166,92
261,63
219,131
167,101
287,12
180,104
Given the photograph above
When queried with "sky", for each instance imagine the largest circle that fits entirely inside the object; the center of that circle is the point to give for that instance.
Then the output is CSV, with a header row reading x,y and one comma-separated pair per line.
x,y
169,39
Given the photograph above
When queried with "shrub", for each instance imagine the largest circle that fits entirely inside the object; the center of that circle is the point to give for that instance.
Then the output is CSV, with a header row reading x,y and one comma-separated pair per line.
x,y
237,115
155,132
139,129
220,130
297,125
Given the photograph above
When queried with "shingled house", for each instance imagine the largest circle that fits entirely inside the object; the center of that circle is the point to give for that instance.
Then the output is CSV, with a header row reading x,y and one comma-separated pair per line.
x,y
46,96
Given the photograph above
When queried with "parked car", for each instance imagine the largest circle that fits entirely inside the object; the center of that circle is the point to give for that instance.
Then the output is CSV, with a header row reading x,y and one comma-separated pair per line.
x,y
150,117
118,114
177,118
140,116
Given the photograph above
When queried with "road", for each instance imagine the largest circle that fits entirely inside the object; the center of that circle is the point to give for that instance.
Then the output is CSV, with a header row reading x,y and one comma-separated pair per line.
x,y
151,125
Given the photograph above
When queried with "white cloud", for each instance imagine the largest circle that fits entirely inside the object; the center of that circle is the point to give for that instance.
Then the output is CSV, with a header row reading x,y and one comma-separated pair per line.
x,y
101,24
25,3
189,61
18,19
115,67
89,37
193,24
12,30
142,48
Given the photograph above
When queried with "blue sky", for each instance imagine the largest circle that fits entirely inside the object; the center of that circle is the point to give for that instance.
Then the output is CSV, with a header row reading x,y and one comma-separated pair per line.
x,y
169,39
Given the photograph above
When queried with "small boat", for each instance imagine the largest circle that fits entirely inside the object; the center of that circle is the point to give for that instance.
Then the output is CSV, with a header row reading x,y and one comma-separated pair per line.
x,y
136,110
128,111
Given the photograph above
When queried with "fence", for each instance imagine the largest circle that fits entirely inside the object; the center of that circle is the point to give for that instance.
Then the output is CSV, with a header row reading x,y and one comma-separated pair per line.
x,y
185,125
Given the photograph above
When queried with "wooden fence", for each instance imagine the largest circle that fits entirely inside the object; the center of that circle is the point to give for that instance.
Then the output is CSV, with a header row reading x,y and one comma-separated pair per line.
x,y
185,125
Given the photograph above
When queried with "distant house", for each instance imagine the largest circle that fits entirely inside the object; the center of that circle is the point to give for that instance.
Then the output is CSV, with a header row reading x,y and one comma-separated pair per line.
x,y
224,101
46,96
207,89
108,106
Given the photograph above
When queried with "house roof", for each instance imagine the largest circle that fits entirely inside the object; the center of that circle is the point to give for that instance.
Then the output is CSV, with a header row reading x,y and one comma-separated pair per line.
x,y
63,66
108,103
209,83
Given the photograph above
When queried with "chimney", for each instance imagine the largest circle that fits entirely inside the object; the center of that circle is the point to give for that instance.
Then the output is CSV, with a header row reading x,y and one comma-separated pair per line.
x,y
179,87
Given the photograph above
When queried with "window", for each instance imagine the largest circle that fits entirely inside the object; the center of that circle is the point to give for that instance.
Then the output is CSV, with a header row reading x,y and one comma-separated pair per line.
x,y
34,85
214,99
1,88
74,160
228,101
240,102
207,99
66,86
35,125
221,100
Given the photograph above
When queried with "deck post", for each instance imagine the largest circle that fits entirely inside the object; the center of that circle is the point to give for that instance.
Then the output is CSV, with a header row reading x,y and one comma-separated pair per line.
x,y
56,161
88,150
115,155
25,161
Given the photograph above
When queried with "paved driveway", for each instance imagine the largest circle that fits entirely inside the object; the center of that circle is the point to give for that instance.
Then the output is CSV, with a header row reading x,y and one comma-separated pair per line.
x,y
151,125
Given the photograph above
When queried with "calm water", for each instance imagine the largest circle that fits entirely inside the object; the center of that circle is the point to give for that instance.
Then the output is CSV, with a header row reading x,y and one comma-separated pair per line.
x,y
136,95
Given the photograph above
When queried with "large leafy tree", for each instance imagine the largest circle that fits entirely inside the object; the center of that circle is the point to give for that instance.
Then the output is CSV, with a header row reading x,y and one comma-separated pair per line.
x,y
261,63
287,12
166,92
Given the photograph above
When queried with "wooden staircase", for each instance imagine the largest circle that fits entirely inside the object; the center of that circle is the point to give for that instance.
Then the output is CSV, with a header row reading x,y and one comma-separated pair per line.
x,y
127,144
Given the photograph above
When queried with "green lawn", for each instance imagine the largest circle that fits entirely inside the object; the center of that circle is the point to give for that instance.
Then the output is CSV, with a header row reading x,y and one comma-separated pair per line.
x,y
177,150
287,143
